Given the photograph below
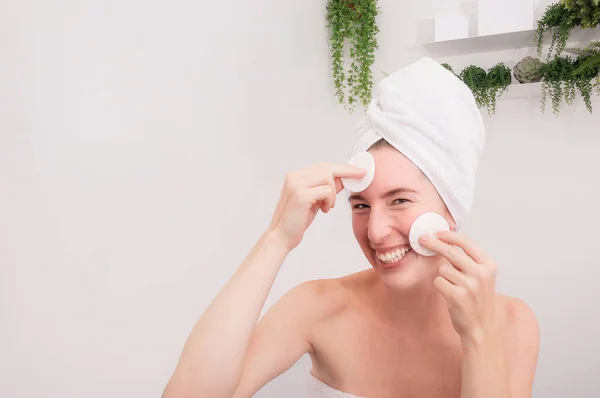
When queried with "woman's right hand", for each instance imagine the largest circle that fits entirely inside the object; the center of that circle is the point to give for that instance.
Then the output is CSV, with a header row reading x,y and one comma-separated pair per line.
x,y
304,192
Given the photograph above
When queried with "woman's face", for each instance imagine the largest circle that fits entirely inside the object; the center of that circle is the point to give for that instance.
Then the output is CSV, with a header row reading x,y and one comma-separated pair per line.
x,y
383,213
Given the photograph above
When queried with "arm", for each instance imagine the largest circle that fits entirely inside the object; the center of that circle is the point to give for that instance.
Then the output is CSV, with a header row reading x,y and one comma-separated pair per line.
x,y
495,366
226,350
212,360
484,369
280,338
467,281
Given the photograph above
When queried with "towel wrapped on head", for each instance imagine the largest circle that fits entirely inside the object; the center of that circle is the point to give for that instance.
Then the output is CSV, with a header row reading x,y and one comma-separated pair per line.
x,y
430,116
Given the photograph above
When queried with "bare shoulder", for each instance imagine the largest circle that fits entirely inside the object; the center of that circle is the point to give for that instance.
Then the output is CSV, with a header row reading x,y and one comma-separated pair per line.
x,y
517,315
521,341
325,298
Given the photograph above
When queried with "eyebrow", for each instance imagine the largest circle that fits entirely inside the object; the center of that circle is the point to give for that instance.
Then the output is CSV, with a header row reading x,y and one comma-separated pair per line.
x,y
387,194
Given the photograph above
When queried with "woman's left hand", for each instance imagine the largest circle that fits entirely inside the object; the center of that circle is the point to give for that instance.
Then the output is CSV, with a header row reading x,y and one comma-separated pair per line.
x,y
468,283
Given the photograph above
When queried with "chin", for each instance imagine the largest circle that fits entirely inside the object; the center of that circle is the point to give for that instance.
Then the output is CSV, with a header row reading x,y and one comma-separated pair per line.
x,y
409,271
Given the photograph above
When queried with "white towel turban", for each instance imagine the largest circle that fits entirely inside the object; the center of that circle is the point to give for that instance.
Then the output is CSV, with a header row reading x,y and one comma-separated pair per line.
x,y
430,116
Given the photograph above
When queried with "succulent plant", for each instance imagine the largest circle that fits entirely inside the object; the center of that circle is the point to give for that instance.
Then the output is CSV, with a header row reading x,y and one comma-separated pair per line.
x,y
528,70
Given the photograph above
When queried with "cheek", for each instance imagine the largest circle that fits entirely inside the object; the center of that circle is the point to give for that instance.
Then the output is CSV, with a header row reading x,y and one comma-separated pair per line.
x,y
403,220
360,224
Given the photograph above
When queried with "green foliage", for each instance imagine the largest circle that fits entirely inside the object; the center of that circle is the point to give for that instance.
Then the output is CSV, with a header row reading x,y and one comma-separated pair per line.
x,y
486,86
588,62
564,76
474,77
352,23
559,20
497,81
558,83
584,13
586,71
447,66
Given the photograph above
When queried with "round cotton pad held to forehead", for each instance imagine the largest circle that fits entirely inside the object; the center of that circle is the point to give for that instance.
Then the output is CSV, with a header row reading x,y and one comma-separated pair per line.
x,y
364,160
426,224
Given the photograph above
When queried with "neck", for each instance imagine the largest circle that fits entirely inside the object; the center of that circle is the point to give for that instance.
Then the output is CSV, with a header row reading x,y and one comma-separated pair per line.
x,y
420,304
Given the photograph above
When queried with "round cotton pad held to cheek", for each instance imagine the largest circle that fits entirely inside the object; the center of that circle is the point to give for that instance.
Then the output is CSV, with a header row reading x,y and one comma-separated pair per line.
x,y
426,224
364,160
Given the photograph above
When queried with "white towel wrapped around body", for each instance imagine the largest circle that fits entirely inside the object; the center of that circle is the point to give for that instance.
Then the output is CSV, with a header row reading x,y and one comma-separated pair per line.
x,y
430,116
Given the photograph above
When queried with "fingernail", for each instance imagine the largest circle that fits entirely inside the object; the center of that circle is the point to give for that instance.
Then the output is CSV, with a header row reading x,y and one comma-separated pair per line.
x,y
440,233
424,238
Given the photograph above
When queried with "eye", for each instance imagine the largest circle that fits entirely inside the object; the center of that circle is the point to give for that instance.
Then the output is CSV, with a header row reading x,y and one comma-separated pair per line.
x,y
360,206
400,201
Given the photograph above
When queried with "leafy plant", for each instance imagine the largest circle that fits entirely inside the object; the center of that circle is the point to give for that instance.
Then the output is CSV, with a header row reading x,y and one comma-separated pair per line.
x,y
559,20
352,23
558,83
584,13
497,81
528,70
486,86
474,77
586,71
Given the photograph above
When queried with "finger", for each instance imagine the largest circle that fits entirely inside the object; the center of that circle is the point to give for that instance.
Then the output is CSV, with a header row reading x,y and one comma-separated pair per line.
x,y
453,254
319,175
453,275
315,195
346,171
446,288
329,203
465,243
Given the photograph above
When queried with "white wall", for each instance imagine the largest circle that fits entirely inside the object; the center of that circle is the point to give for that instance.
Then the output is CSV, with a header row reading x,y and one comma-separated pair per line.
x,y
141,154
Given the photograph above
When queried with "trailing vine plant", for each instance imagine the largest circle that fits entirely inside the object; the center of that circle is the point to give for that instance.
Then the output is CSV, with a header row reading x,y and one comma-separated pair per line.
x,y
558,83
486,86
497,81
474,77
353,31
559,20
586,71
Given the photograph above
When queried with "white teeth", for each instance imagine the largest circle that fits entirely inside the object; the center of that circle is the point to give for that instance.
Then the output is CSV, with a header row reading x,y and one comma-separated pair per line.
x,y
394,256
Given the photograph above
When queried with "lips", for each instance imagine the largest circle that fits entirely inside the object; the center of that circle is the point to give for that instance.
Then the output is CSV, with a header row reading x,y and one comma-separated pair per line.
x,y
392,256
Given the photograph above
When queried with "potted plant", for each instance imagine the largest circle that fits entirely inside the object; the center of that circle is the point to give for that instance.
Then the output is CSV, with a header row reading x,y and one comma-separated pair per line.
x,y
486,86
353,30
528,70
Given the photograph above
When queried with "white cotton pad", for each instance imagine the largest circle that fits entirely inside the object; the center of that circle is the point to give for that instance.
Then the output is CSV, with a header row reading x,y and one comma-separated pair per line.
x,y
426,224
364,160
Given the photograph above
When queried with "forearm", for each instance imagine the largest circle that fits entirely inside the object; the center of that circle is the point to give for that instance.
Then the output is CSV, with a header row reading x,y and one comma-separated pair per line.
x,y
484,371
212,360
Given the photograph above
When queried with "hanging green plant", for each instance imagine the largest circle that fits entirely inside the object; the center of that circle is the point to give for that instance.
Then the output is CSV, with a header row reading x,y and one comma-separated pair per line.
x,y
474,77
497,81
486,86
559,20
584,13
586,72
352,23
558,83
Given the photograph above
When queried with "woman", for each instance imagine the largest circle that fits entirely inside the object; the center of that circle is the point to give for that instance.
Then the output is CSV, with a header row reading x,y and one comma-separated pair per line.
x,y
411,326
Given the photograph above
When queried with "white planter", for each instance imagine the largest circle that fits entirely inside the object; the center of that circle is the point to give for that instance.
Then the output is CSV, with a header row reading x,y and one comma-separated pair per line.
x,y
502,16
450,27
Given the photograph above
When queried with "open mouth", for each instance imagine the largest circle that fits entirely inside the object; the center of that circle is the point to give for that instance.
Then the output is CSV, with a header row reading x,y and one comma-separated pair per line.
x,y
393,256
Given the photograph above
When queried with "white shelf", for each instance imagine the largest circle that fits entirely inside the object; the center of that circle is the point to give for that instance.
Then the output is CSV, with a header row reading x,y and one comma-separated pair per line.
x,y
502,41
518,90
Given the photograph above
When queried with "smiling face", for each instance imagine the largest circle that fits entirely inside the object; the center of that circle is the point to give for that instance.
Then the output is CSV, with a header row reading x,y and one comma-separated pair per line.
x,y
383,213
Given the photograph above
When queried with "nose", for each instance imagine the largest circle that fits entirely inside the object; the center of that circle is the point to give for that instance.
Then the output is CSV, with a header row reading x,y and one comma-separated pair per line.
x,y
380,225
